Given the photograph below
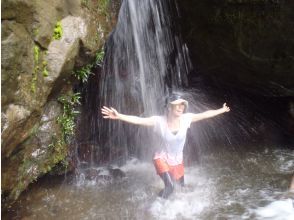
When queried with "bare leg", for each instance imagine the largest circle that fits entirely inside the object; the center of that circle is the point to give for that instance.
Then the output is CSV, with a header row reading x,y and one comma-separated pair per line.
x,y
292,185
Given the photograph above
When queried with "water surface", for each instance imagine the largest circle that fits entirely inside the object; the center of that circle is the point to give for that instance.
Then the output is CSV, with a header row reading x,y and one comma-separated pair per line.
x,y
221,185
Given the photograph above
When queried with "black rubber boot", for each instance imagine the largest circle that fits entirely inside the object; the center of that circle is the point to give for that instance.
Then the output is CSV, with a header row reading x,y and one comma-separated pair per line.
x,y
168,185
181,181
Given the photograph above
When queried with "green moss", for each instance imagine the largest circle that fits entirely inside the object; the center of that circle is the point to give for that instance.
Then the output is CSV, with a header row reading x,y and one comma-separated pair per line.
x,y
103,7
33,85
25,176
44,67
58,32
36,32
33,167
59,151
36,68
36,54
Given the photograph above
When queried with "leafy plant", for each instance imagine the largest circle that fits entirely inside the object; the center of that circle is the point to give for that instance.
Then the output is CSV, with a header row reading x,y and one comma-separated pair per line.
x,y
99,58
67,119
83,73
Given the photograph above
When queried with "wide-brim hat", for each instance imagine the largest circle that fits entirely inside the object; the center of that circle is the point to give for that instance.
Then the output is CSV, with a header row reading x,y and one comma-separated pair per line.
x,y
176,99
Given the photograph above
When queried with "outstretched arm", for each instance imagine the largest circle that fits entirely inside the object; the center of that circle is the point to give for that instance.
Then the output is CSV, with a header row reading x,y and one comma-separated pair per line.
x,y
111,113
210,113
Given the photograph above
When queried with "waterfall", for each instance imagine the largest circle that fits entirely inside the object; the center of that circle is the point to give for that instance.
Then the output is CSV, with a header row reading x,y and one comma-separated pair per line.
x,y
143,52
144,59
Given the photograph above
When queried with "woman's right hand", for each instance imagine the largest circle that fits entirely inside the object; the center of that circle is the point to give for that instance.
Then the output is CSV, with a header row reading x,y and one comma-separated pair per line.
x,y
110,113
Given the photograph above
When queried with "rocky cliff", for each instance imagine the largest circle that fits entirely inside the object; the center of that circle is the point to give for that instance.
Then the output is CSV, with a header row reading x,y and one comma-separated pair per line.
x,y
43,42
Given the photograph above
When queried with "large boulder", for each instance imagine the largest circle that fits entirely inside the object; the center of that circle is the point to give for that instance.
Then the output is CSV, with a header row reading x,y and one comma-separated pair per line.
x,y
42,42
35,156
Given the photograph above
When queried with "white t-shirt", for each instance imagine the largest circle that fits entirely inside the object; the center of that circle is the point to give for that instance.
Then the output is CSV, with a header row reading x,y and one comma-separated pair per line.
x,y
172,145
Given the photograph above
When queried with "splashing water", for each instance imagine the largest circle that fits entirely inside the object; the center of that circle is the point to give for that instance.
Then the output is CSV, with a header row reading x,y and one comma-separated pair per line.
x,y
230,186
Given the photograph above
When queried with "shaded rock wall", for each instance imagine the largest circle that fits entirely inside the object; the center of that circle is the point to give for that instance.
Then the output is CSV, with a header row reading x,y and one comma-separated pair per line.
x,y
247,44
42,42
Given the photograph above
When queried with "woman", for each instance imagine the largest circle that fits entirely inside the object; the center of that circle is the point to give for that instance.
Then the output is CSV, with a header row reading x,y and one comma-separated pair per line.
x,y
172,128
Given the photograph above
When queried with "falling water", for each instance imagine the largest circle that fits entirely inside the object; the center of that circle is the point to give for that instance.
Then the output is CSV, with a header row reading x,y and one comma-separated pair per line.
x,y
144,58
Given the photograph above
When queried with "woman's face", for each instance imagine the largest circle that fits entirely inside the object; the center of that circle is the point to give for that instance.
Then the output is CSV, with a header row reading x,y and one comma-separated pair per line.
x,y
177,109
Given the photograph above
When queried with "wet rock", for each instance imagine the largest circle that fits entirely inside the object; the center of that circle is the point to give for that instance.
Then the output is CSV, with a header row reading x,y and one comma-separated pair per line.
x,y
103,178
116,173
91,173
103,174
61,53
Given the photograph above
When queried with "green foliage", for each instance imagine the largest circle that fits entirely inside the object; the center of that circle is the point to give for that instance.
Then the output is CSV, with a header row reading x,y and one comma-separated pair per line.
x,y
99,57
85,3
67,119
83,73
58,32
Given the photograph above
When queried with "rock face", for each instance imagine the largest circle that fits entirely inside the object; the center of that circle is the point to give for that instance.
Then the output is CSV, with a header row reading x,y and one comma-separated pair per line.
x,y
42,42
247,44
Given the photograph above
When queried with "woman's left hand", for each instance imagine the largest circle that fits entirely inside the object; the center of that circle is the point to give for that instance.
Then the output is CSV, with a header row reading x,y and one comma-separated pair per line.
x,y
226,108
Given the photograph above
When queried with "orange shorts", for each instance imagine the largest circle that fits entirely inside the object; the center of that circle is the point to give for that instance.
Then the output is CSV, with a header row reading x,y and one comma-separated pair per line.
x,y
161,166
